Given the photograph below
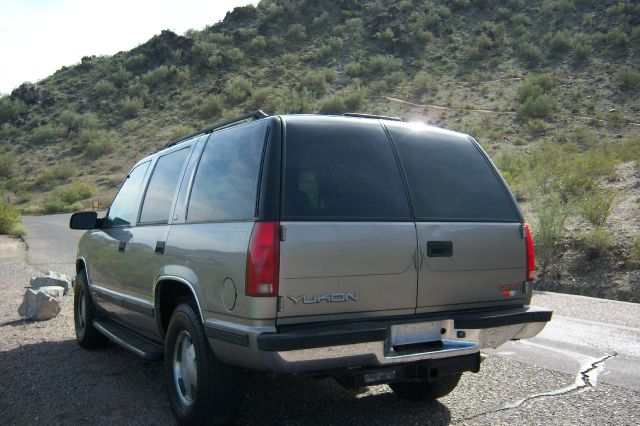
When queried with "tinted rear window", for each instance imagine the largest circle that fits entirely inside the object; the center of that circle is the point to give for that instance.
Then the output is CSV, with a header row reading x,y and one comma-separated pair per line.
x,y
449,178
226,180
341,170
162,186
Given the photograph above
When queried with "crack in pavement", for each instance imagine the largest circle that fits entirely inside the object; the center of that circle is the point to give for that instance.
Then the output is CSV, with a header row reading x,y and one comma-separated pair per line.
x,y
587,378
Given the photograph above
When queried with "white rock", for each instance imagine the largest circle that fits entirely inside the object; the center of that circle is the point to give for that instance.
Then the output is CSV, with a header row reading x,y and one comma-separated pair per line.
x,y
52,279
40,304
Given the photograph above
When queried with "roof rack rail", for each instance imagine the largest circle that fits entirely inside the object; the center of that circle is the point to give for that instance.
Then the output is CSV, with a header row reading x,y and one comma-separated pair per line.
x,y
255,115
379,117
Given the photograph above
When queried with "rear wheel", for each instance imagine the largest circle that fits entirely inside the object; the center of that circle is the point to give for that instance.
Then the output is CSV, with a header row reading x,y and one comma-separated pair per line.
x,y
202,390
84,312
425,391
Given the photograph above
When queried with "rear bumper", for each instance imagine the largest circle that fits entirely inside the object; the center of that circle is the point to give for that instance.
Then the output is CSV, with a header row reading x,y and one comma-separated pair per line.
x,y
323,347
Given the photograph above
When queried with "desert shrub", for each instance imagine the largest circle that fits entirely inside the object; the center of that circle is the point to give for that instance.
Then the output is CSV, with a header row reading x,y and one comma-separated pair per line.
x,y
47,133
616,38
529,53
483,42
627,78
136,63
534,97
59,206
333,105
130,107
261,96
56,174
559,43
598,242
8,130
317,81
354,69
238,89
425,83
86,136
355,27
159,76
120,77
459,4
634,254
70,120
211,108
333,45
75,192
521,19
258,43
10,220
9,109
536,127
539,107
104,89
180,131
597,206
297,32
383,64
98,149
7,165
291,101
549,232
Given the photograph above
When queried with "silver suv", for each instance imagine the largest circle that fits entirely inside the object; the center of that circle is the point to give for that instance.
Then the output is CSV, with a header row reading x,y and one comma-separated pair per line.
x,y
359,247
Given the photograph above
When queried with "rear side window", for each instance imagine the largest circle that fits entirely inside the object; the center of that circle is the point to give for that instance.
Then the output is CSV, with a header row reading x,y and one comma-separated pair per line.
x,y
341,170
448,177
226,181
125,205
162,187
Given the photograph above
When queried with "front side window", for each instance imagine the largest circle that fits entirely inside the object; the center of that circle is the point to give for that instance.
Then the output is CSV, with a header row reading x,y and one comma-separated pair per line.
x,y
124,207
162,187
226,182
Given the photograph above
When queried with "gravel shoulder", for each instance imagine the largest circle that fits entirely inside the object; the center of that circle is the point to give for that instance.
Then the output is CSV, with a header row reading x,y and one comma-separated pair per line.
x,y
47,379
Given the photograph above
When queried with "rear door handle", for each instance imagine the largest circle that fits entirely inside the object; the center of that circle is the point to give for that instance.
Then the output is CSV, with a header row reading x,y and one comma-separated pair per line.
x,y
160,247
122,246
439,249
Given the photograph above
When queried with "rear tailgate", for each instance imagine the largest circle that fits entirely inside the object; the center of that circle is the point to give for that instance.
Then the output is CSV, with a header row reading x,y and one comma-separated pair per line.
x,y
472,249
349,241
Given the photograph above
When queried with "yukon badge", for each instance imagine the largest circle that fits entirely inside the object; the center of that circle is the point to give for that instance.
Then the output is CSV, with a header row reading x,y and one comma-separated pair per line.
x,y
325,297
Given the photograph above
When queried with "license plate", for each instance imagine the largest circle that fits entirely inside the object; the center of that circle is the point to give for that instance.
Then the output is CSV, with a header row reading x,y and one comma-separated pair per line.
x,y
406,334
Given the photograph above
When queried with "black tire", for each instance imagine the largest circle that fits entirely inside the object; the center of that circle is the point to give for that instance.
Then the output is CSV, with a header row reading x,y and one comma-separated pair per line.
x,y
84,312
216,397
426,391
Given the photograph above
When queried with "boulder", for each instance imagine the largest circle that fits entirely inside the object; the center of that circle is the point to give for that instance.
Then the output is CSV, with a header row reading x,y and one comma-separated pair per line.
x,y
52,279
41,304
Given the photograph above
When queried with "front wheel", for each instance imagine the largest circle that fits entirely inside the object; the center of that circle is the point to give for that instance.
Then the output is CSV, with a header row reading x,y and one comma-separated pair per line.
x,y
84,312
425,391
202,389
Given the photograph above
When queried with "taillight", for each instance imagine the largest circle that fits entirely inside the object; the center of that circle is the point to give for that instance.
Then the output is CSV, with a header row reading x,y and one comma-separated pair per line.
x,y
263,260
531,255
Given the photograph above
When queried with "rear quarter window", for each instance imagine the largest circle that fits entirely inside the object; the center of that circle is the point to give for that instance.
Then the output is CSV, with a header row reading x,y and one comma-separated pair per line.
x,y
341,170
449,178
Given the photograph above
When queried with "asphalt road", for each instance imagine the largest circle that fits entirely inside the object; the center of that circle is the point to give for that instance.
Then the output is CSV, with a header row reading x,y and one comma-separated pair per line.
x,y
584,368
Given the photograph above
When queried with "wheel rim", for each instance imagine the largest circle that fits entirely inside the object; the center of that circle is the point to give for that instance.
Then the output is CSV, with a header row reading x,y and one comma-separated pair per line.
x,y
80,312
185,368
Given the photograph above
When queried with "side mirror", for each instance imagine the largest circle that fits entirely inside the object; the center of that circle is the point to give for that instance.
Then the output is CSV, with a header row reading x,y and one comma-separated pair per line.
x,y
84,220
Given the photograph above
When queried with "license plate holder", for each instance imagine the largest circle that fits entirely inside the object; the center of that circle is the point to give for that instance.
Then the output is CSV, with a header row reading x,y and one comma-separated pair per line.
x,y
417,332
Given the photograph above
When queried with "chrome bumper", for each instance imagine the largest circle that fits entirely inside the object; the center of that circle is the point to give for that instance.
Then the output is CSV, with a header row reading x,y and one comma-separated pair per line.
x,y
382,353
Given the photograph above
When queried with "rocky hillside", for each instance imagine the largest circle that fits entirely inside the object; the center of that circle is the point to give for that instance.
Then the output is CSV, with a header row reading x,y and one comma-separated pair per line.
x,y
550,88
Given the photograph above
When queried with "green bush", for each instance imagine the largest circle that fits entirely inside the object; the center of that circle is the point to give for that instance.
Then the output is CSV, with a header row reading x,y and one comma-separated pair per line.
x,y
136,63
130,107
294,102
627,78
530,54
238,89
75,192
317,81
211,108
333,105
98,149
559,43
7,165
56,174
10,220
538,107
59,206
104,89
160,76
425,83
10,109
47,133
549,232
598,242
597,206
383,64
297,32
635,249
120,77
